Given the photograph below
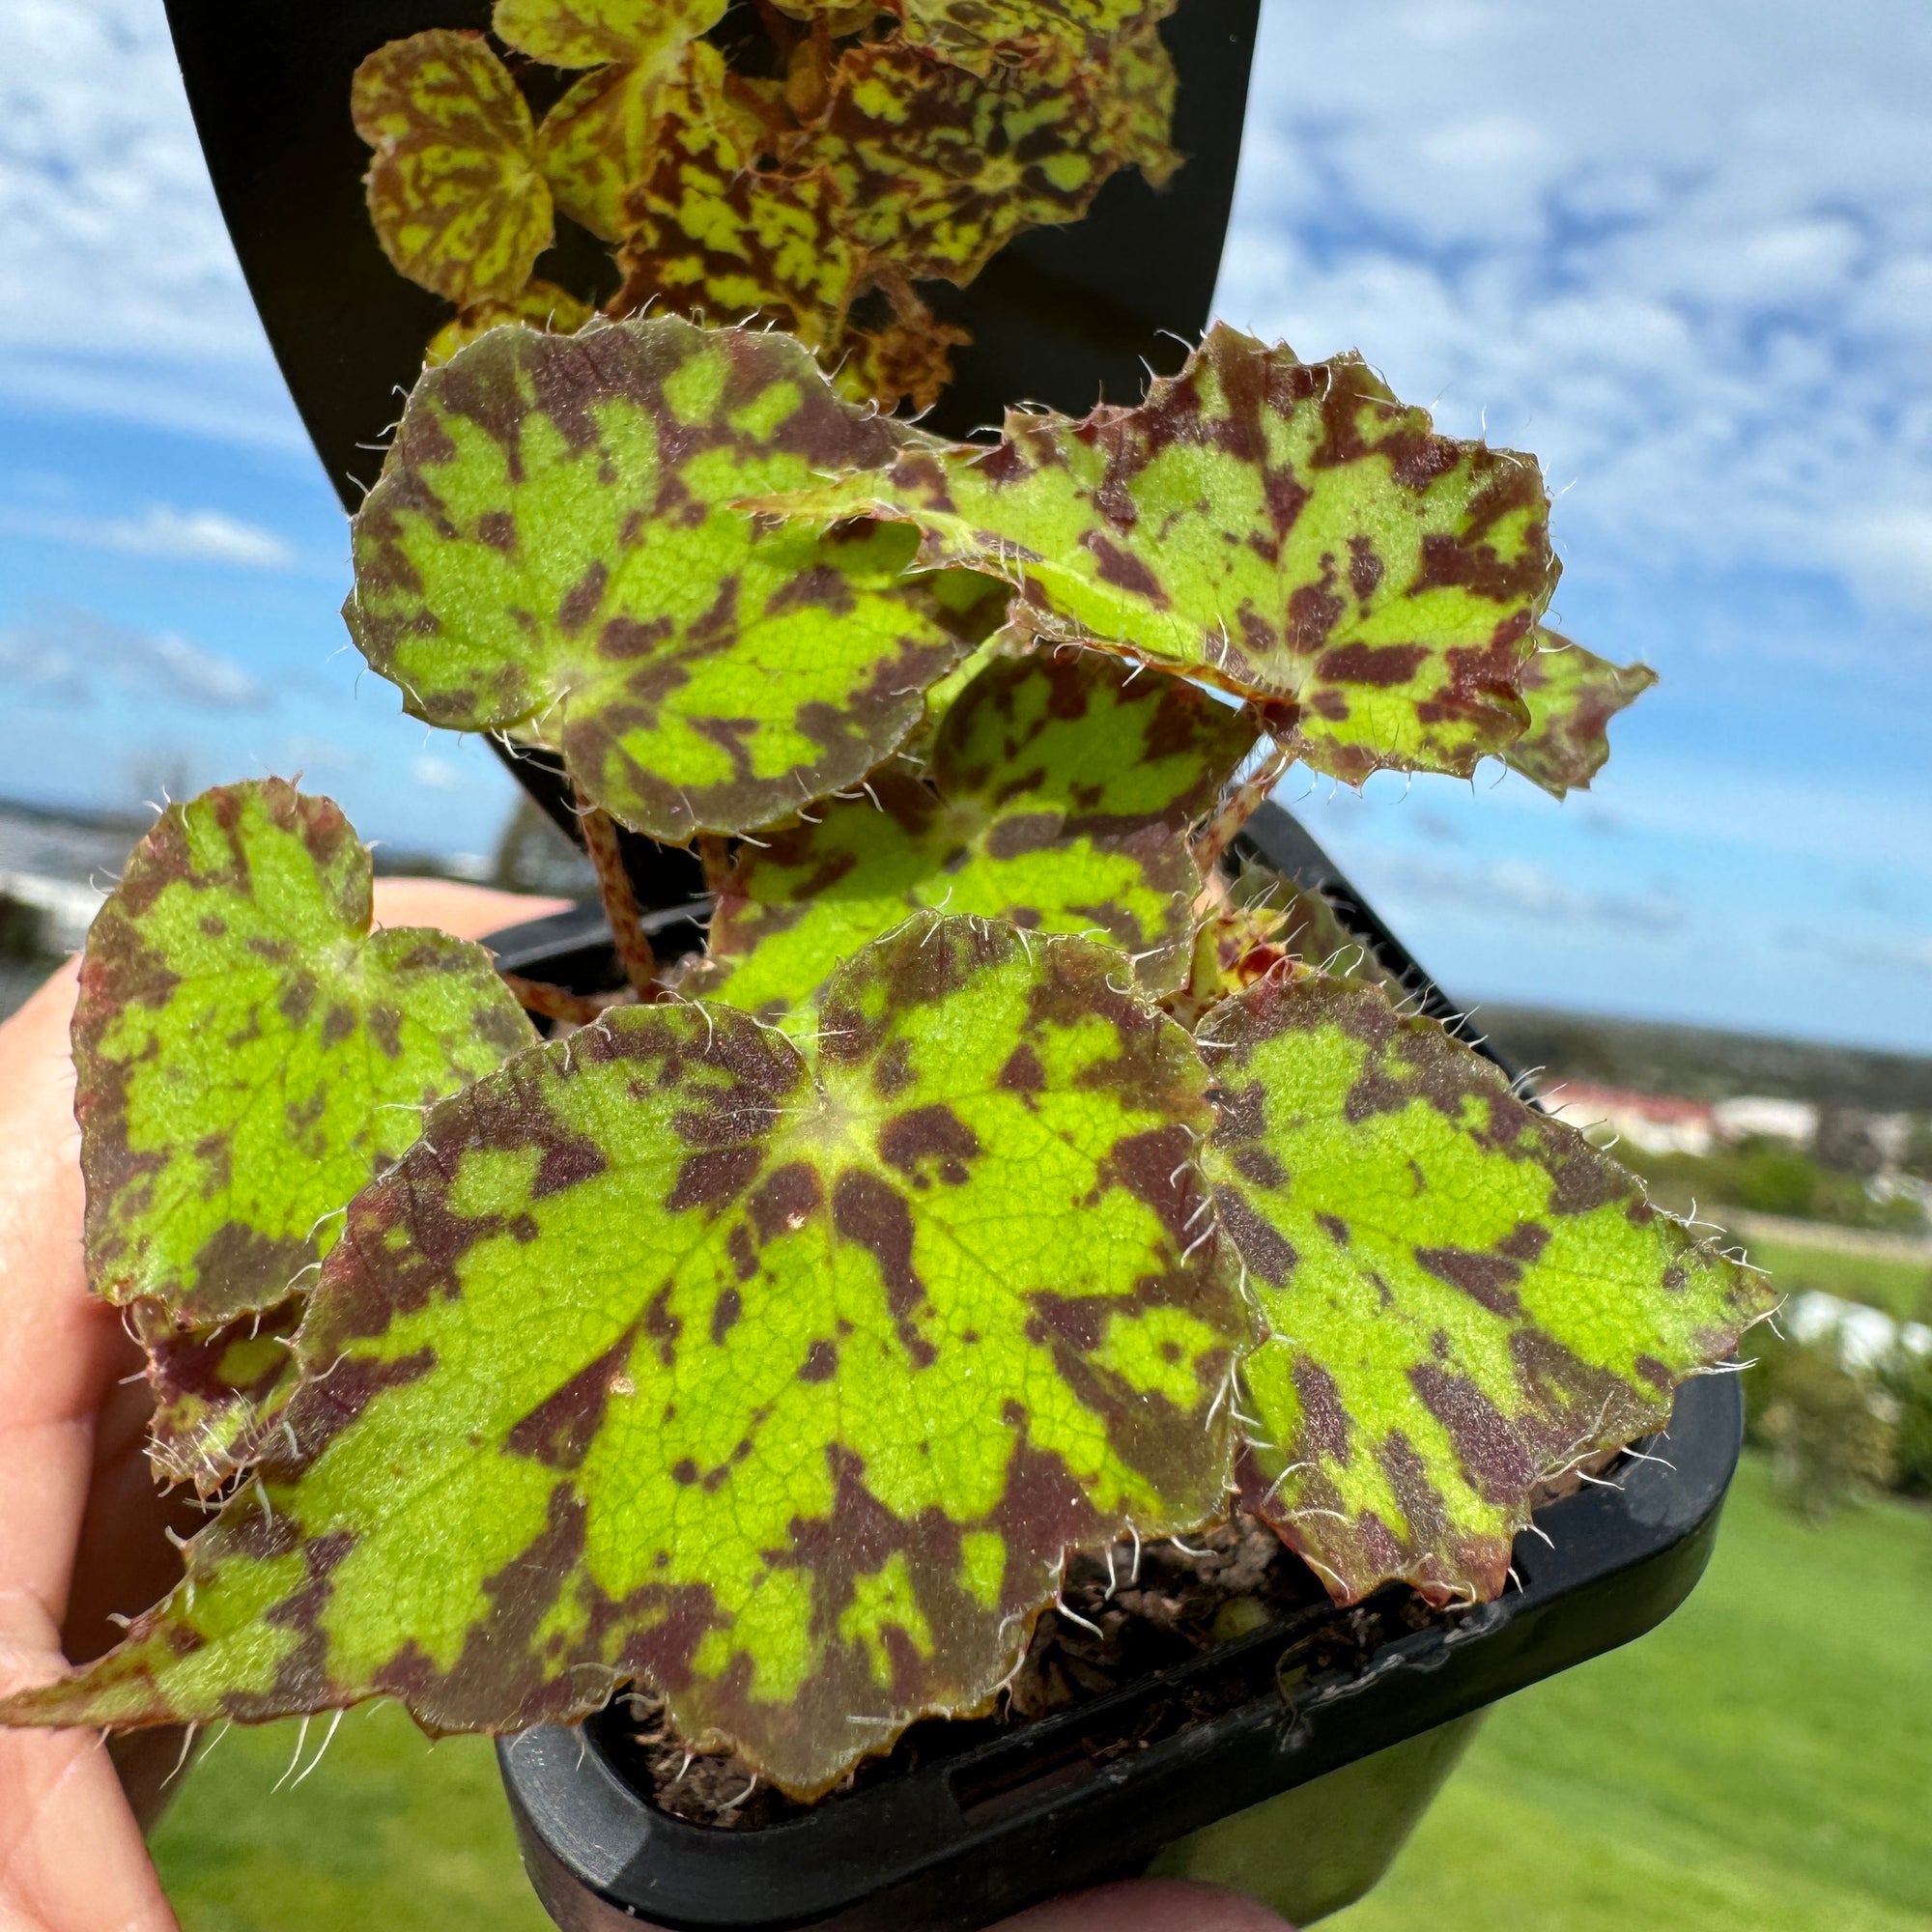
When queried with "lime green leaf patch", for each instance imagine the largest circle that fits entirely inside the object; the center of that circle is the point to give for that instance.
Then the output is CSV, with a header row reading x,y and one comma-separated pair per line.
x,y
1061,794
1288,531
249,1054
553,544
454,191
1462,1296
779,1379
1573,695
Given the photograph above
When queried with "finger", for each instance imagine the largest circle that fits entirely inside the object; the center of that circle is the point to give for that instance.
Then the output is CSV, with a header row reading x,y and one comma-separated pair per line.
x,y
59,1346
1149,1905
71,1854
467,911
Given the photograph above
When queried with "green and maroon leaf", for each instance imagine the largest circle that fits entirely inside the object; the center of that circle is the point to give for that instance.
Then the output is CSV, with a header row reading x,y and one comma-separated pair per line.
x,y
1060,798
454,191
552,543
249,1054
542,306
1286,530
711,237
216,1390
1573,695
938,170
989,35
615,127
1462,1296
589,33
775,1379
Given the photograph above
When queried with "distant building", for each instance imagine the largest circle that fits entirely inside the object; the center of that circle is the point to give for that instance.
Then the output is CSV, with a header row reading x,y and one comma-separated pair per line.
x,y
1657,1124
1759,1117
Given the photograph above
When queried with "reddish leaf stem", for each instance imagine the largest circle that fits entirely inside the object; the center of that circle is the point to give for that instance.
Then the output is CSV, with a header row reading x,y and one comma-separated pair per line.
x,y
1239,806
620,903
558,1003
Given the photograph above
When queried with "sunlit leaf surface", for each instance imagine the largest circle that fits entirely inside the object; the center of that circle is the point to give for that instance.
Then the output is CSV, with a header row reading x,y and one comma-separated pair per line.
x,y
1573,695
938,169
249,1053
552,543
712,237
1463,1297
613,129
1060,798
589,33
777,1377
1287,530
454,190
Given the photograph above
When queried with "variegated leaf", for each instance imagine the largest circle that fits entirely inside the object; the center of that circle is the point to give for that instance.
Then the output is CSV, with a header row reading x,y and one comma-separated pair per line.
x,y
248,1053
617,124
216,1390
553,540
775,1379
1462,1298
1573,695
454,191
542,306
712,237
588,33
988,35
1286,530
1060,799
939,169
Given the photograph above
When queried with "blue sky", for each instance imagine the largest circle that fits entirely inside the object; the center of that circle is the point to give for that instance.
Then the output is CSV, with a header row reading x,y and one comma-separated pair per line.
x,y
1684,254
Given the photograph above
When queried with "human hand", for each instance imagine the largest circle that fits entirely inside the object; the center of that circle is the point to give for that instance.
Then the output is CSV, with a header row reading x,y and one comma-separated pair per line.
x,y
83,1531
1149,1905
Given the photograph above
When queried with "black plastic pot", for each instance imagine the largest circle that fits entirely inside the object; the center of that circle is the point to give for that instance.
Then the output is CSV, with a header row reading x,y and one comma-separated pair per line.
x,y
1299,1790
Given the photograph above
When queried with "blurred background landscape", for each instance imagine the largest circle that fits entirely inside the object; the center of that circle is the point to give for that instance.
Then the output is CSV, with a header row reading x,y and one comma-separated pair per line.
x,y
1686,256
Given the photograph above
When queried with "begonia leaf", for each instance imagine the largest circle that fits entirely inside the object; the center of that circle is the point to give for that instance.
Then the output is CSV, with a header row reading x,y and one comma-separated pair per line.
x,y
540,305
1462,1296
454,190
616,126
589,33
1286,530
215,1389
1060,799
775,1379
939,169
987,36
1573,695
1143,84
553,540
249,1054
710,236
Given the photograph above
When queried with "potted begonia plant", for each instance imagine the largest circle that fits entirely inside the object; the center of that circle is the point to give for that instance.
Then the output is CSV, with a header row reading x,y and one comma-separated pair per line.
x,y
1026,1210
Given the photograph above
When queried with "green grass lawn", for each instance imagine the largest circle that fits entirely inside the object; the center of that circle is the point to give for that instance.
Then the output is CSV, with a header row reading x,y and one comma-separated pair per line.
x,y
1901,1287
1762,1763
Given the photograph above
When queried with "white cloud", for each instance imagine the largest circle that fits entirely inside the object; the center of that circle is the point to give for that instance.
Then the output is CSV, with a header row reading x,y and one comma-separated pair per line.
x,y
1683,253
119,292
68,656
189,536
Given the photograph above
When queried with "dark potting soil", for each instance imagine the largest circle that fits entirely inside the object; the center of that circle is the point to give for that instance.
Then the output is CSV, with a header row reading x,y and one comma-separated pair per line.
x,y
1114,1629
